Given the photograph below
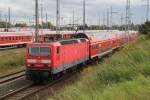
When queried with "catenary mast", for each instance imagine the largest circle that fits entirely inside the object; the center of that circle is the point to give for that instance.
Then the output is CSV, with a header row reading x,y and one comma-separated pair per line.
x,y
36,21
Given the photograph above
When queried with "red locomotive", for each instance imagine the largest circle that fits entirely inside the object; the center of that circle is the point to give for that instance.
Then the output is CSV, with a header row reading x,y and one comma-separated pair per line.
x,y
48,59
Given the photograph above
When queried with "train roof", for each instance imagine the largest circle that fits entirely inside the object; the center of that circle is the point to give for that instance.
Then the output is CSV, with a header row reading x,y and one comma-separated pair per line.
x,y
59,43
45,32
15,34
95,36
103,35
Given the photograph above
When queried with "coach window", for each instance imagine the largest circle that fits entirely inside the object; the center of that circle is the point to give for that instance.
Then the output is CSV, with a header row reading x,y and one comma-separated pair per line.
x,y
2,38
10,38
5,38
94,47
58,50
28,37
13,38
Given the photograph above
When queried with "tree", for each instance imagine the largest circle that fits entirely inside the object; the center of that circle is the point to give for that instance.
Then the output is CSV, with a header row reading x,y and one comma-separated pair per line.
x,y
48,25
145,28
21,25
4,24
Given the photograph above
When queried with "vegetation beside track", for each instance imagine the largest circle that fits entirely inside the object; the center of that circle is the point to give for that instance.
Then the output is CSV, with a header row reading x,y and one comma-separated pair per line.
x,y
124,76
11,61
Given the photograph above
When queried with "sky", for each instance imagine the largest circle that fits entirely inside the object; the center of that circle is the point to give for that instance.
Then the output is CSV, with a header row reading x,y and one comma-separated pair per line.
x,y
23,10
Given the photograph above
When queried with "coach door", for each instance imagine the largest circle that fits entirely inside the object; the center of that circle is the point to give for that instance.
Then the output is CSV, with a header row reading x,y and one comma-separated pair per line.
x,y
58,55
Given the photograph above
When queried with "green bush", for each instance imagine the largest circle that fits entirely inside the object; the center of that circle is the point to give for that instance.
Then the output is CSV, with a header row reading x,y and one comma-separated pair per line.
x,y
145,29
138,89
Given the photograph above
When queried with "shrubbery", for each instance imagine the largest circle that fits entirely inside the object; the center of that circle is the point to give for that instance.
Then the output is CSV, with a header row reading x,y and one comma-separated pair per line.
x,y
145,29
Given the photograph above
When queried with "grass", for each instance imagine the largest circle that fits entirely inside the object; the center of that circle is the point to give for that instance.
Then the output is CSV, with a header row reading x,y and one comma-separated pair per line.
x,y
124,76
11,61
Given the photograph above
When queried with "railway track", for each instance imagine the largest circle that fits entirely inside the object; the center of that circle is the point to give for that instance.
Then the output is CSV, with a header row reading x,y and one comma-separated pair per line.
x,y
33,88
10,77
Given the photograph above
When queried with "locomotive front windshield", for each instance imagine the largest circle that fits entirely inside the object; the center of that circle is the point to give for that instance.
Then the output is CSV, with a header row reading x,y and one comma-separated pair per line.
x,y
43,51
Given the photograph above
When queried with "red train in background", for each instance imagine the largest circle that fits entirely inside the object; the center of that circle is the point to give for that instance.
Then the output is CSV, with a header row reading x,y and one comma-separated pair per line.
x,y
21,38
44,60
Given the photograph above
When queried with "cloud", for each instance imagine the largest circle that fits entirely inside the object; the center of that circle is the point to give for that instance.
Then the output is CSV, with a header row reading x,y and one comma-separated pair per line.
x,y
24,9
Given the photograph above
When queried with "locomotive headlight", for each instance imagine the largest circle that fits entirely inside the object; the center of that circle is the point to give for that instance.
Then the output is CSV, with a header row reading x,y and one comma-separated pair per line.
x,y
39,61
31,61
49,65
46,61
28,65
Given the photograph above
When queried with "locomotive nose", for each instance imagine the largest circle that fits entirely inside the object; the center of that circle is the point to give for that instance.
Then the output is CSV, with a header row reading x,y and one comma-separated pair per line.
x,y
39,57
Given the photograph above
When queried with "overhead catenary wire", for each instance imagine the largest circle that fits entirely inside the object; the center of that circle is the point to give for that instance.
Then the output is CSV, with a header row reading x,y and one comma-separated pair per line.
x,y
111,17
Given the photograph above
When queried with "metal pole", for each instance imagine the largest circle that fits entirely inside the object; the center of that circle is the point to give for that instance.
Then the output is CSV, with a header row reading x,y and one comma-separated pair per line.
x,y
107,19
83,16
41,15
6,23
111,17
46,21
0,16
104,21
9,16
128,14
99,23
58,17
73,19
121,22
36,21
147,11
29,22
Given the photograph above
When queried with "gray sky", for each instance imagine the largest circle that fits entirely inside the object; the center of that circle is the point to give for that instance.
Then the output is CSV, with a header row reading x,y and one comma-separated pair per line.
x,y
24,9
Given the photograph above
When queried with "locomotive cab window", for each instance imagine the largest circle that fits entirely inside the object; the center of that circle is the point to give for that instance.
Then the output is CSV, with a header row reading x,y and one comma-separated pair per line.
x,y
58,50
2,38
13,38
42,51
45,51
6,38
10,38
